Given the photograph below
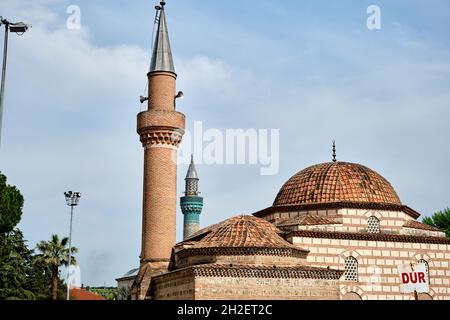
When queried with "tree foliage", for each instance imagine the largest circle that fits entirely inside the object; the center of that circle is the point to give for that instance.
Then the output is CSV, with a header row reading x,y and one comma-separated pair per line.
x,y
15,267
23,275
11,204
440,220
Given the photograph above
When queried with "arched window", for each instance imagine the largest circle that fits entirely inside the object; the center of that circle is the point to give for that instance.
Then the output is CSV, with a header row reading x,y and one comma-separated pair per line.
x,y
373,225
351,269
425,262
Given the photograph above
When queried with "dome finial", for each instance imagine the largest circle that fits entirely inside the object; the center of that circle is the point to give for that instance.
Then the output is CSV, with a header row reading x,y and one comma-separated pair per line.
x,y
334,151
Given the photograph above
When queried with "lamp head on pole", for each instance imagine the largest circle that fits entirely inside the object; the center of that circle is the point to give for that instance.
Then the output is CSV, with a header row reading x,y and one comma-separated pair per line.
x,y
72,198
18,27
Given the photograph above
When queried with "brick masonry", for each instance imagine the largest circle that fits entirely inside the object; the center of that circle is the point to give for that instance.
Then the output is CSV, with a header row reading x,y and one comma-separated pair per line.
x,y
185,285
377,264
378,260
160,129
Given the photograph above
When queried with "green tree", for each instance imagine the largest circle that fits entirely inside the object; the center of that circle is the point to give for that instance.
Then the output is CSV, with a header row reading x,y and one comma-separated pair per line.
x,y
23,276
11,204
15,257
54,254
440,220
40,281
15,267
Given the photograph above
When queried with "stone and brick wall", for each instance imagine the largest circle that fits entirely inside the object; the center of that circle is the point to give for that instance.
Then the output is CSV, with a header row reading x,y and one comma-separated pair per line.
x,y
222,283
232,288
351,220
270,260
377,263
356,220
174,286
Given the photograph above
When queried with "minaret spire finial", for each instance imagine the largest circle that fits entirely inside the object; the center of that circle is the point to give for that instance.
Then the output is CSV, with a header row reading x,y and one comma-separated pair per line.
x,y
162,59
334,151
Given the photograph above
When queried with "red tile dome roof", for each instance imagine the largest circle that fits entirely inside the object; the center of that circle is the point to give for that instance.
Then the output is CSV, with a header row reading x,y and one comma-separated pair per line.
x,y
337,182
244,232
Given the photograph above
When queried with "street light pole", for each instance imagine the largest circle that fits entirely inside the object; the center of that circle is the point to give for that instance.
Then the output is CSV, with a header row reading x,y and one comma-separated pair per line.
x,y
2,90
72,199
70,253
18,28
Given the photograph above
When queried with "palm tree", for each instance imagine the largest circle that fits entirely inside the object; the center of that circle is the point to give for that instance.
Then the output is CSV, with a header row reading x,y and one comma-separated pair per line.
x,y
54,254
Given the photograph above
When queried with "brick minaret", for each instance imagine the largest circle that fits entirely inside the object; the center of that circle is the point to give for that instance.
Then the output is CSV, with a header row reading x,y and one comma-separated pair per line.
x,y
160,129
191,203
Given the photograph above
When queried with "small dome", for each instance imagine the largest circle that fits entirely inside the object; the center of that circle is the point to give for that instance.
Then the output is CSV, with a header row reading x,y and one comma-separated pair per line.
x,y
337,182
244,232
242,240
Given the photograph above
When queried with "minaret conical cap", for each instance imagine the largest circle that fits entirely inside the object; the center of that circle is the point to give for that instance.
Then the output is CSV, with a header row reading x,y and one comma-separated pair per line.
x,y
162,54
192,172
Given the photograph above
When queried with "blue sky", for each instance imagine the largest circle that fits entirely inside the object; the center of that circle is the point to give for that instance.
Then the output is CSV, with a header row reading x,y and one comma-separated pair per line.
x,y
309,68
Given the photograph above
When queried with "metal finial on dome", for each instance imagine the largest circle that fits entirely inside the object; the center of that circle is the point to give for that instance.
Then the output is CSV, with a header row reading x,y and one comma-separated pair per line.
x,y
334,151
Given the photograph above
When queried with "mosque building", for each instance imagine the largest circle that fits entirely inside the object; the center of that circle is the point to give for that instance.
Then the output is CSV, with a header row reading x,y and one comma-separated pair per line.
x,y
335,231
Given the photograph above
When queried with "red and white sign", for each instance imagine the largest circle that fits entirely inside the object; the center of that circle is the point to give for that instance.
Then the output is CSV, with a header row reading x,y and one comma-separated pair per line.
x,y
414,278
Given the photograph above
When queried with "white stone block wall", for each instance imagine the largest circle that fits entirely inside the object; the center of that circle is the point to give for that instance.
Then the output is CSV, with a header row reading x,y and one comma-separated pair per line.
x,y
377,265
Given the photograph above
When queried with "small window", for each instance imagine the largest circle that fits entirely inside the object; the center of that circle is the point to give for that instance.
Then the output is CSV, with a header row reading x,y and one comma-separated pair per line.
x,y
373,225
351,269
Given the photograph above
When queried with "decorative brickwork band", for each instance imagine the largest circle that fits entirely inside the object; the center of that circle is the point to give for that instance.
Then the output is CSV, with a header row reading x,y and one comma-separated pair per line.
x,y
230,251
155,261
171,138
263,272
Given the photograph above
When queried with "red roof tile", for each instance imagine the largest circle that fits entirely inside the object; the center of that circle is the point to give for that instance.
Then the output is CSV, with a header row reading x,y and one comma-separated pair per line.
x,y
369,237
307,220
251,271
243,232
421,226
336,206
80,294
247,271
337,182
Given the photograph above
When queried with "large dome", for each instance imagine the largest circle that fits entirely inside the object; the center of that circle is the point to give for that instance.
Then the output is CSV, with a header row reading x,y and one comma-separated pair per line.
x,y
337,182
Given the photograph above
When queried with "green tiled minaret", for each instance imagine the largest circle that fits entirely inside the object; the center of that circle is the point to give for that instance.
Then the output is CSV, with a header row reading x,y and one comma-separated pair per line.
x,y
191,203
